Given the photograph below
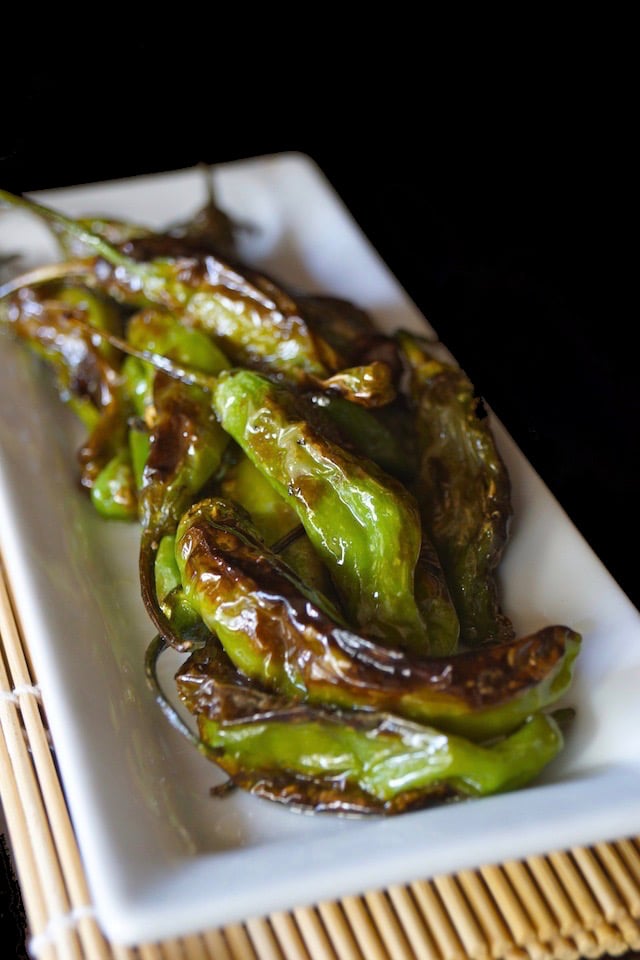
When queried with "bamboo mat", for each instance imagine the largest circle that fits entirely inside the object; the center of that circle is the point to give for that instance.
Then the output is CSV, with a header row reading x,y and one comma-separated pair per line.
x,y
582,902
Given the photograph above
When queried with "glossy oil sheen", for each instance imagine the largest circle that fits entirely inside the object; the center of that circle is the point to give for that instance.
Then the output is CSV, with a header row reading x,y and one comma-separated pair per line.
x,y
162,856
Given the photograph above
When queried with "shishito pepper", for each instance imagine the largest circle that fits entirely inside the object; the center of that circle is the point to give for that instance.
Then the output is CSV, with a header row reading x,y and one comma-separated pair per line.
x,y
113,493
185,443
462,487
303,707
344,761
209,230
363,523
294,642
254,320
275,521
56,322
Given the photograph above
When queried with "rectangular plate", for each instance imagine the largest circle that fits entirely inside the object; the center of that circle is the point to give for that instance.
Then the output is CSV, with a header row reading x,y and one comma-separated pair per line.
x,y
164,858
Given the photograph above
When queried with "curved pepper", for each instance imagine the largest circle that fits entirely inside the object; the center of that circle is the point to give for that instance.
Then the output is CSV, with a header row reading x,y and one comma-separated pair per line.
x,y
56,322
275,521
113,492
462,487
294,642
363,523
254,320
367,434
184,444
347,761
53,322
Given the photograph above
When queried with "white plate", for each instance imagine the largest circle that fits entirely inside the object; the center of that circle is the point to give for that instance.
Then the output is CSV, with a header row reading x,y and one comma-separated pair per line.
x,y
162,857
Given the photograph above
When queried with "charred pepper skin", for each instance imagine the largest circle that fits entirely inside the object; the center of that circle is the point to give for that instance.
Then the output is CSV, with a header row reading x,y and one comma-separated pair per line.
x,y
275,521
348,761
463,489
185,443
253,319
294,642
301,708
363,523
55,321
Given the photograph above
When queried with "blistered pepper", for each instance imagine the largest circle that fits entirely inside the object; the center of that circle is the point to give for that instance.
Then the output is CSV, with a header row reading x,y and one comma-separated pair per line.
x,y
113,493
293,641
255,321
56,322
462,487
53,321
184,444
275,521
362,522
346,761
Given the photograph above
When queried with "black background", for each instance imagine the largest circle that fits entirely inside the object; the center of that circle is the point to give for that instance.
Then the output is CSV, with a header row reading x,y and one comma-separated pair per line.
x,y
496,187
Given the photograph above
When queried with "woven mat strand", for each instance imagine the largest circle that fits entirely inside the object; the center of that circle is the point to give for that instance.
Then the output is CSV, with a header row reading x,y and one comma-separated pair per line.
x,y
582,902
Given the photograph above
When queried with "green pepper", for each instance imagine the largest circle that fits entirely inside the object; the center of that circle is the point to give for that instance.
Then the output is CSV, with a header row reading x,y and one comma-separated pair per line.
x,y
339,322
366,433
348,761
182,442
275,521
363,523
210,228
253,319
248,315
56,321
171,599
113,492
294,641
53,323
462,487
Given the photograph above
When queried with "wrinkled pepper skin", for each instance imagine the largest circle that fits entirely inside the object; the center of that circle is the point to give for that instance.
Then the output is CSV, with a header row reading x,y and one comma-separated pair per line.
x,y
348,761
182,443
275,521
49,320
363,523
185,442
366,433
323,512
186,447
252,318
113,492
295,643
463,489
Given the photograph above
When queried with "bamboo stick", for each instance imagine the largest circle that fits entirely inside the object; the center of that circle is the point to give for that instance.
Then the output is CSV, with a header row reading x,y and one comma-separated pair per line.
x,y
435,915
263,940
467,927
338,931
631,858
26,868
55,897
513,912
413,923
608,939
216,945
313,934
364,930
288,936
501,942
59,823
386,921
238,942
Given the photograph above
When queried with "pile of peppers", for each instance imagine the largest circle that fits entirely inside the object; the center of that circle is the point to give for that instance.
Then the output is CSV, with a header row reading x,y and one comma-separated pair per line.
x,y
323,512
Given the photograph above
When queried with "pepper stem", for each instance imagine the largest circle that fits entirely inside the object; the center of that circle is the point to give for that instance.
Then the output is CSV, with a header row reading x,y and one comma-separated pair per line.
x,y
70,226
